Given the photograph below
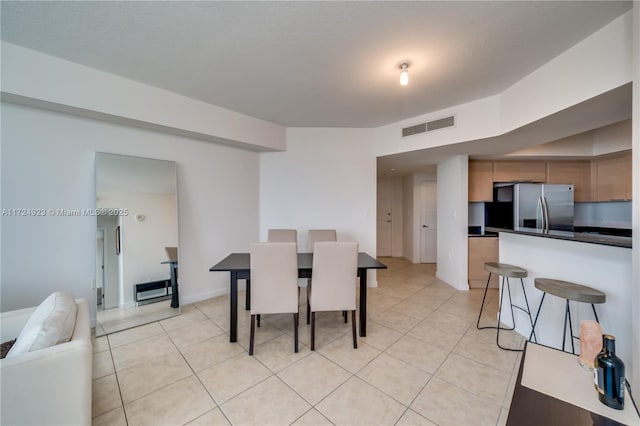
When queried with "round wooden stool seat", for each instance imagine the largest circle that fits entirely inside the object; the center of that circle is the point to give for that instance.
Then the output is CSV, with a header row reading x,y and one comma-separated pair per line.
x,y
570,291
505,270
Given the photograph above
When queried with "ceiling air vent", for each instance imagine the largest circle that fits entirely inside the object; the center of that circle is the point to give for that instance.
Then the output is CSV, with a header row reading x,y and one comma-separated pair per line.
x,y
441,123
430,126
414,130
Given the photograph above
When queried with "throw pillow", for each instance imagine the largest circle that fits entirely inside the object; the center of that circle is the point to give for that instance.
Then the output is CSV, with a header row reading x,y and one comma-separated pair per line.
x,y
5,347
51,323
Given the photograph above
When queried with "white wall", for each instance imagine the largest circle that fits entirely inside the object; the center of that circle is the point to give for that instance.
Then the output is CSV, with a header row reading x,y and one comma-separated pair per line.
x,y
453,221
48,162
143,242
325,179
635,291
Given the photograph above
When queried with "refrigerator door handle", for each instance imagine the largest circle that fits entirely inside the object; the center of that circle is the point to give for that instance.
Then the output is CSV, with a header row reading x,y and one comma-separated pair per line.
x,y
540,209
545,214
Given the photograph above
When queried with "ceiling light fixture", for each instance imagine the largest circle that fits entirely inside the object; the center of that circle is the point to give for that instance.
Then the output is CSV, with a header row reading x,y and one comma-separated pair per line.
x,y
404,74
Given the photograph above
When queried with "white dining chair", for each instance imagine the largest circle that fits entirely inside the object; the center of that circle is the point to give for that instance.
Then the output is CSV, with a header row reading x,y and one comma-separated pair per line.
x,y
314,236
335,270
274,283
317,235
282,236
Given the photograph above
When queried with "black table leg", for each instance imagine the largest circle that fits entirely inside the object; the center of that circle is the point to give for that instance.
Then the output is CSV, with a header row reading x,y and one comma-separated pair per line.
x,y
247,299
363,303
175,301
233,298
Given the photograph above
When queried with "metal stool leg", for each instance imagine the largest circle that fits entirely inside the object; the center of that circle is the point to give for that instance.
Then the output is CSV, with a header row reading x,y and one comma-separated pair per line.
x,y
564,331
513,318
482,306
594,313
537,315
528,311
573,349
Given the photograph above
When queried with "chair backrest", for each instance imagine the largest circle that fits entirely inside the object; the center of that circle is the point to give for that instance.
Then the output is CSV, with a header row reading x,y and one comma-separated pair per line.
x,y
282,236
335,268
172,253
274,278
317,235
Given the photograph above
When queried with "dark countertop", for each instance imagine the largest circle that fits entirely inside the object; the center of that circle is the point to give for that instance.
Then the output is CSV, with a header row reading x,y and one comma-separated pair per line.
x,y
486,234
607,240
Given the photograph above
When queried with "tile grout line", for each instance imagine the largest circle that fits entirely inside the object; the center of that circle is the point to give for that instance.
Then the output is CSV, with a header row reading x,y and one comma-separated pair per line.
x,y
198,377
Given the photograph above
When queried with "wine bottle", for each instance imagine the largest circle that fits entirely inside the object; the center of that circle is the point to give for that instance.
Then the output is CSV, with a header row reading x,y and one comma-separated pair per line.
x,y
609,374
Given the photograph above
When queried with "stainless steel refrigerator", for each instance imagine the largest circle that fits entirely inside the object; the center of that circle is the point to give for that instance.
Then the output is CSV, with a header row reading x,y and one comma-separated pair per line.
x,y
543,206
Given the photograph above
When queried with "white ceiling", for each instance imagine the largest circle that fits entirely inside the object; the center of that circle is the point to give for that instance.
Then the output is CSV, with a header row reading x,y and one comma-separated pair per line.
x,y
312,64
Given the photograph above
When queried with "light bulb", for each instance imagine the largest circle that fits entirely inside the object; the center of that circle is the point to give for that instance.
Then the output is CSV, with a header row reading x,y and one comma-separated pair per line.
x,y
404,75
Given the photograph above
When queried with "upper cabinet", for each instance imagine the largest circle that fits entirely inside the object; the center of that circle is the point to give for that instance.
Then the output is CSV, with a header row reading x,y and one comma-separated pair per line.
x,y
577,173
606,178
519,171
614,177
480,180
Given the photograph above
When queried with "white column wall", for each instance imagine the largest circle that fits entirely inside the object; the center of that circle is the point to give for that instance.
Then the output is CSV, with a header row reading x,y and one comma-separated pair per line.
x,y
48,162
635,290
325,179
453,211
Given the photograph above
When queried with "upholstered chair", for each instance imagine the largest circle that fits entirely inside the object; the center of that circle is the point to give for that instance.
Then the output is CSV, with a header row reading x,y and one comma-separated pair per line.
x,y
335,270
314,236
274,283
282,236
317,235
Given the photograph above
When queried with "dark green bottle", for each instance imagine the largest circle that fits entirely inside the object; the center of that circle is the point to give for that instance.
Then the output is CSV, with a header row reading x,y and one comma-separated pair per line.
x,y
610,374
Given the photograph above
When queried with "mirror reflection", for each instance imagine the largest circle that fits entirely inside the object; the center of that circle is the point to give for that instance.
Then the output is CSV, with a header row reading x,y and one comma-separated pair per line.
x,y
136,242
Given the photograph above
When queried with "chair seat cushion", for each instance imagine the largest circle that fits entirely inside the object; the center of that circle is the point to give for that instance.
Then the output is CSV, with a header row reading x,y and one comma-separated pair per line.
x,y
51,323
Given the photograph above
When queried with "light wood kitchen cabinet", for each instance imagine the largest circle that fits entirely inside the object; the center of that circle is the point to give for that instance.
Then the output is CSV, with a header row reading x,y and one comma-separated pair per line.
x,y
482,249
480,181
519,171
614,177
576,172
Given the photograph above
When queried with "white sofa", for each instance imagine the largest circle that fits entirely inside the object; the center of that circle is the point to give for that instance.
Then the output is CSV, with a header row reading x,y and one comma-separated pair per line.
x,y
50,386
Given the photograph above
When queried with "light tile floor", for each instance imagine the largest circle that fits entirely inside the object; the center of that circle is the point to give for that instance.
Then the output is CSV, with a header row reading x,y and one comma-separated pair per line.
x,y
422,363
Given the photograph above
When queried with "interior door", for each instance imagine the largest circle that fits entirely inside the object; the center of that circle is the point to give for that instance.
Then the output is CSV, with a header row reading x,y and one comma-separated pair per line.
x,y
428,222
384,218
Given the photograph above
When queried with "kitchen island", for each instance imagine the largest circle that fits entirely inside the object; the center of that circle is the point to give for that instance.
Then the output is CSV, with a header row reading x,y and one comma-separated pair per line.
x,y
604,265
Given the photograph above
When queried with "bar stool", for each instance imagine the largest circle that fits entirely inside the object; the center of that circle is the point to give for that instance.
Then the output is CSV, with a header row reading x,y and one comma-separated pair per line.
x,y
507,271
568,291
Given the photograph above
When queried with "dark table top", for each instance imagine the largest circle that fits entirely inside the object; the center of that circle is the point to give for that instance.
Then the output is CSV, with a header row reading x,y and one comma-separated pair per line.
x,y
241,262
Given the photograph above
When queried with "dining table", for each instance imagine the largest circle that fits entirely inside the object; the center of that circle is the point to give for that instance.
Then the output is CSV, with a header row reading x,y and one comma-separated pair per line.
x,y
239,267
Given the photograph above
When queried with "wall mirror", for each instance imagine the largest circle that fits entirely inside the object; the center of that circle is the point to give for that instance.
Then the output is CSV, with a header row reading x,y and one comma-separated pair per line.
x,y
136,242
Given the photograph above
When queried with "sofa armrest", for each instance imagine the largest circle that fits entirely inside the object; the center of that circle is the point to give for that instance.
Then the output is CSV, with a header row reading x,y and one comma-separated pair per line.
x,y
12,323
51,385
